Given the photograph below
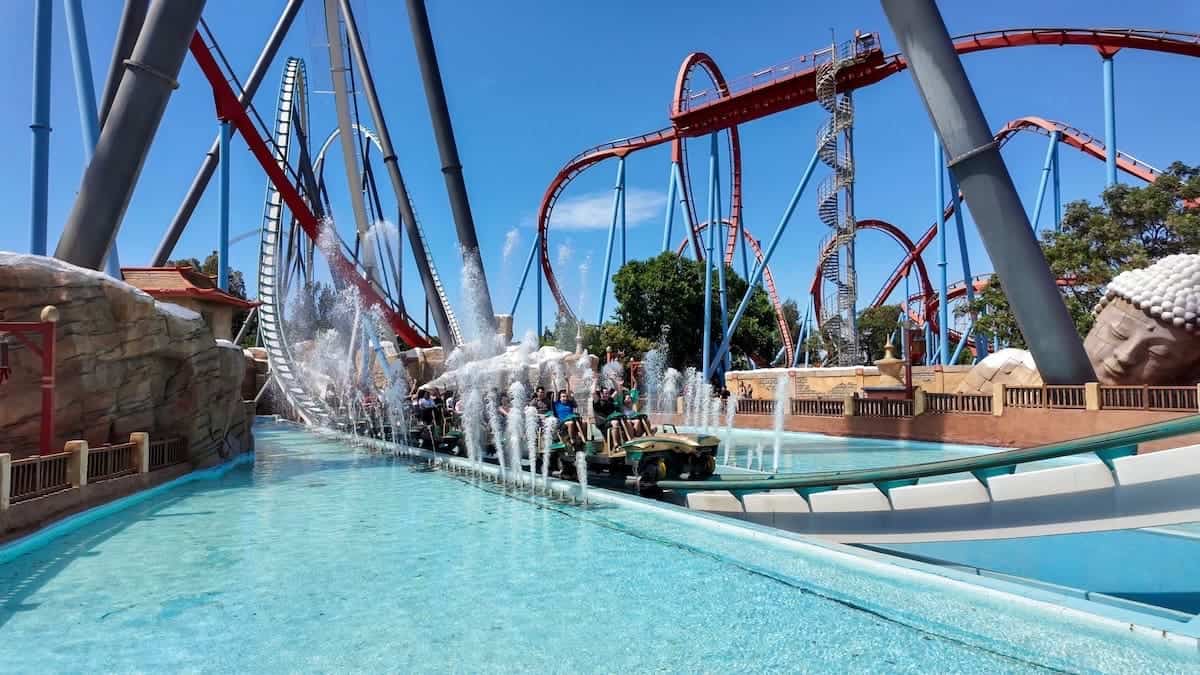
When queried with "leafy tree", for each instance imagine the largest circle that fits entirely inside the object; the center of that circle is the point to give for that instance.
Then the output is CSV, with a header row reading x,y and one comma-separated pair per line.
x,y
875,328
1132,227
666,295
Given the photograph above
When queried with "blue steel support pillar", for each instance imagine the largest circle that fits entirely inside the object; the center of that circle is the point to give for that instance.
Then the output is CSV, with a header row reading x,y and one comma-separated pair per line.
x,y
85,94
43,17
525,275
757,274
708,255
1057,194
1048,167
223,251
980,348
943,280
1110,123
719,261
612,231
802,337
671,185
538,244
621,194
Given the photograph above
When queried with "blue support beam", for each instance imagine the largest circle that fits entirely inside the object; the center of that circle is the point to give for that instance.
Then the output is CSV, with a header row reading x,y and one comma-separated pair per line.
x,y
800,339
621,195
40,169
667,225
525,275
965,256
223,250
943,280
1110,123
708,256
1049,167
719,261
966,336
1057,193
538,244
759,267
612,229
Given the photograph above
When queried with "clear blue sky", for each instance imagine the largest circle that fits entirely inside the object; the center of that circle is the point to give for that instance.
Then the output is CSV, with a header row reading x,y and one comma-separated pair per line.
x,y
530,83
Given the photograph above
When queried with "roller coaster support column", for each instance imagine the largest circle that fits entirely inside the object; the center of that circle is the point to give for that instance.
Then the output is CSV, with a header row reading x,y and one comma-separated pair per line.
x,y
1057,194
538,243
726,361
802,338
1110,120
209,165
525,275
965,257
132,18
671,185
757,274
622,195
223,193
618,189
443,131
136,113
440,319
1049,167
706,364
988,188
85,95
943,280
43,19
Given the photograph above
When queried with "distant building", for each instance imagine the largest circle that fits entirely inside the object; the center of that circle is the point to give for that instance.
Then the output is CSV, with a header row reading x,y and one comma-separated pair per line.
x,y
188,287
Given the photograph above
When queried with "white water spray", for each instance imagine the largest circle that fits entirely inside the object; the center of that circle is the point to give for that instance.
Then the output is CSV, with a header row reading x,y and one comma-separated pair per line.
x,y
782,401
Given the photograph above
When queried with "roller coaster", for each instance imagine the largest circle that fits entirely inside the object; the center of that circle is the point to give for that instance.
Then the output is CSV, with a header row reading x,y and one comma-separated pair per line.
x,y
725,105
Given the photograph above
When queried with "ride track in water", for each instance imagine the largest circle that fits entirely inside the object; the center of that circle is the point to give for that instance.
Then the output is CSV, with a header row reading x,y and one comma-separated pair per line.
x,y
793,84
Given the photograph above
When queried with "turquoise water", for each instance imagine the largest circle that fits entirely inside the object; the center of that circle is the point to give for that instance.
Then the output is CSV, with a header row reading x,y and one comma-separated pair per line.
x,y
322,558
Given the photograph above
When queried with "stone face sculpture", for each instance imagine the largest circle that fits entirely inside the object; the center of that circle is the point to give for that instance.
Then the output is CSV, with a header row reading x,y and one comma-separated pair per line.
x,y
1147,328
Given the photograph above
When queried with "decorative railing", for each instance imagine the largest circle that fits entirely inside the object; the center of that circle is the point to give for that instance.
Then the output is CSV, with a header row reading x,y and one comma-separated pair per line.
x,y
756,406
958,403
110,461
883,407
818,407
1046,396
1167,399
39,475
166,452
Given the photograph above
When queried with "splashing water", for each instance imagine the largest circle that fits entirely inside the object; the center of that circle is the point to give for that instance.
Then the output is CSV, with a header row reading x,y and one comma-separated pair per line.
x,y
653,365
612,374
564,253
549,427
511,239
581,470
531,443
669,393
516,427
782,401
730,410
494,424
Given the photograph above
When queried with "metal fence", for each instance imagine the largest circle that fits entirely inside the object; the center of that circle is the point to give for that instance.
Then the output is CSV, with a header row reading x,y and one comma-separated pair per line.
x,y
110,461
958,403
40,475
883,407
819,407
1169,399
166,452
1046,396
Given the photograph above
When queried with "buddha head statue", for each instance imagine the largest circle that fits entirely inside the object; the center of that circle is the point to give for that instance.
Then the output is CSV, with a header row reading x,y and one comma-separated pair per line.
x,y
1147,328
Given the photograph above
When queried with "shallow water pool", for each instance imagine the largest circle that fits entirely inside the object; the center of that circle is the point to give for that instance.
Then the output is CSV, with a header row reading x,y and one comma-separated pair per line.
x,y
321,557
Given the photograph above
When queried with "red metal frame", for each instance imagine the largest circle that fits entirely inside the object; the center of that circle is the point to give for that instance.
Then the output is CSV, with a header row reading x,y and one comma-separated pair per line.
x,y
778,89
21,330
230,110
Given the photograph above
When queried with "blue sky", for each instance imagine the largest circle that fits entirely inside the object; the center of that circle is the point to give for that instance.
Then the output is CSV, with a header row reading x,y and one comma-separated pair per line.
x,y
532,82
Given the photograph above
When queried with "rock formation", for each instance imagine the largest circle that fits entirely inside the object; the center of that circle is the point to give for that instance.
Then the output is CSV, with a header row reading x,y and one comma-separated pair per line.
x,y
125,363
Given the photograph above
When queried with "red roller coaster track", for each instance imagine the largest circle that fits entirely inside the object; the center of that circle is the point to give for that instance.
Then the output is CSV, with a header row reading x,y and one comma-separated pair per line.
x,y
793,84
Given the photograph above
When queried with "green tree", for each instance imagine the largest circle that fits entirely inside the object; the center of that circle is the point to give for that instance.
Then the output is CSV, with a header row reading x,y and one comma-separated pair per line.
x,y
875,327
666,295
1132,227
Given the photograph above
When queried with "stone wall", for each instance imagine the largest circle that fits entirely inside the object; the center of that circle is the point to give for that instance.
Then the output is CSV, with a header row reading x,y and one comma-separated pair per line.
x,y
125,363
839,382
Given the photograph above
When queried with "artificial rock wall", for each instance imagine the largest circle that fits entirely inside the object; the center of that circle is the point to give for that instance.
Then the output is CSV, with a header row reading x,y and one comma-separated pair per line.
x,y
125,363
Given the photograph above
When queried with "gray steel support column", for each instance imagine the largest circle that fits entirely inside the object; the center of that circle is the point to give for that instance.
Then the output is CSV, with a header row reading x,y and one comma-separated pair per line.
x,y
349,139
132,18
137,110
978,167
440,318
209,165
443,131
